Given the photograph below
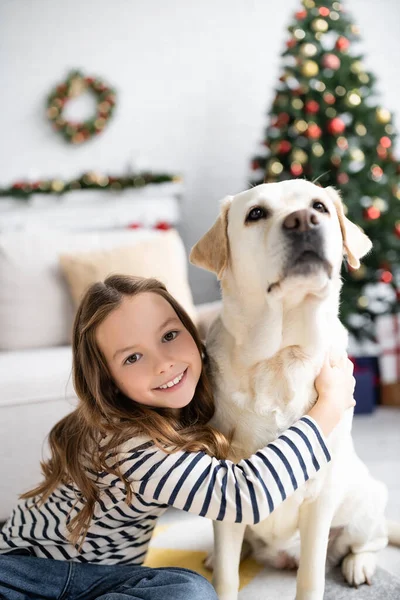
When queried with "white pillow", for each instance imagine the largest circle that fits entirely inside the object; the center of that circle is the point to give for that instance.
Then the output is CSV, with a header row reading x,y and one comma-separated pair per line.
x,y
36,309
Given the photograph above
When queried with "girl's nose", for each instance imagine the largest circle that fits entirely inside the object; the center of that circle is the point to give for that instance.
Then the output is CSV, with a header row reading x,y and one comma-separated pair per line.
x,y
164,364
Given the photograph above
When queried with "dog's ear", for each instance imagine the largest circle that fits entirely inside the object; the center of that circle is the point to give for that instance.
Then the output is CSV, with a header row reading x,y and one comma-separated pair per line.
x,y
212,251
355,243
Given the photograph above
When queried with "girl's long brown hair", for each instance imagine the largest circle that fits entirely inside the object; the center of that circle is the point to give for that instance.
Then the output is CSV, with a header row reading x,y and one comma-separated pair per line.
x,y
103,410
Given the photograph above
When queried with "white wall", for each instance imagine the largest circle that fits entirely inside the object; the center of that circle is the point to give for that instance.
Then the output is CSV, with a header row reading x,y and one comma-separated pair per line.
x,y
195,80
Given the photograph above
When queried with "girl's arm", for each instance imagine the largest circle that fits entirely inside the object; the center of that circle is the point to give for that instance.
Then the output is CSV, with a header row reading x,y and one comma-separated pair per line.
x,y
251,489
246,492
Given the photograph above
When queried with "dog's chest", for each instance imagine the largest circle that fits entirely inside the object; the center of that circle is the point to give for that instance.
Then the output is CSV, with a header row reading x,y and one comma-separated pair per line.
x,y
258,405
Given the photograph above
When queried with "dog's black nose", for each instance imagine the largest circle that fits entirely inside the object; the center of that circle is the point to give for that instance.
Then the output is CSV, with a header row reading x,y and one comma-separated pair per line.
x,y
301,221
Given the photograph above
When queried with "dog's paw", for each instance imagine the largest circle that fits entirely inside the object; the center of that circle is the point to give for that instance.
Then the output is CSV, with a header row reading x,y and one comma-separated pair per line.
x,y
208,562
309,595
359,568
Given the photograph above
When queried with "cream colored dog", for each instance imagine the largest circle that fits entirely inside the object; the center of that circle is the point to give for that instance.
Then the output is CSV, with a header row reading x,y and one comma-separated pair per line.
x,y
277,249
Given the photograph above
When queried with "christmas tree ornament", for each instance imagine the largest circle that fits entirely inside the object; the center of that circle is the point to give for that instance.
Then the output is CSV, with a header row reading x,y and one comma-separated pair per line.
x,y
329,98
76,84
397,229
342,44
336,160
330,112
317,149
380,204
376,172
300,125
291,43
297,103
309,68
324,11
300,15
331,61
299,34
299,156
334,16
320,25
357,155
312,107
274,167
342,143
340,90
337,6
372,213
284,147
314,132
360,129
353,98
308,3
308,50
383,115
336,126
342,178
356,67
362,301
364,78
296,169
385,141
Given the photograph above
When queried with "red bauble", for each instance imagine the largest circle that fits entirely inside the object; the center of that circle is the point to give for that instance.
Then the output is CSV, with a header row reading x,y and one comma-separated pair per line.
x,y
296,169
314,132
291,43
163,226
329,98
386,277
342,178
301,14
385,141
372,213
324,11
397,229
312,107
255,165
331,61
342,44
284,147
336,126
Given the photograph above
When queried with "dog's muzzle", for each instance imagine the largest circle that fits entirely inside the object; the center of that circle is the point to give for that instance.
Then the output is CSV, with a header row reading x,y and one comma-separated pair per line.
x,y
305,252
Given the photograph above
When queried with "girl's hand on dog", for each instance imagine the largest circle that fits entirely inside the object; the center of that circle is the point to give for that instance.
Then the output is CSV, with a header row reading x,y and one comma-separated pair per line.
x,y
335,386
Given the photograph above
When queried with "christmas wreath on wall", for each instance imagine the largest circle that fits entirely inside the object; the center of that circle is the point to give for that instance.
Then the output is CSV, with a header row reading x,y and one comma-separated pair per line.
x,y
75,85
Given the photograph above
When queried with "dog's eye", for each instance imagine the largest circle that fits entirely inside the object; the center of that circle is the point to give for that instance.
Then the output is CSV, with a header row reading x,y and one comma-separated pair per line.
x,y
317,205
256,214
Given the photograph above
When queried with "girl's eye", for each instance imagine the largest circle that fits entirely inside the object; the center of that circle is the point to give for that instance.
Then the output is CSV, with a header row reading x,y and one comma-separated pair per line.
x,y
132,358
171,335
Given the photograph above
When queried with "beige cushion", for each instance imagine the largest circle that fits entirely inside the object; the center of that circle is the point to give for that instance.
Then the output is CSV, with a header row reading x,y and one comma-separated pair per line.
x,y
36,309
161,257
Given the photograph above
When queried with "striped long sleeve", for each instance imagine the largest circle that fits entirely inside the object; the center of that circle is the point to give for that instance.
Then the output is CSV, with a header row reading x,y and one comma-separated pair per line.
x,y
246,492
120,532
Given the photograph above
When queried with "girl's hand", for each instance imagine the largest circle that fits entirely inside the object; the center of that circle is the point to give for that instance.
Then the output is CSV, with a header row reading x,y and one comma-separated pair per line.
x,y
335,386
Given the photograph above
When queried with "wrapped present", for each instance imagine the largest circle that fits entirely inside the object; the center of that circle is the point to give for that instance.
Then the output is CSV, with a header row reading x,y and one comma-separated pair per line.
x,y
388,337
366,393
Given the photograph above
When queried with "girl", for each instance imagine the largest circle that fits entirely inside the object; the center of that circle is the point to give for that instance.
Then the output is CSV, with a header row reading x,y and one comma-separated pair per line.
x,y
139,442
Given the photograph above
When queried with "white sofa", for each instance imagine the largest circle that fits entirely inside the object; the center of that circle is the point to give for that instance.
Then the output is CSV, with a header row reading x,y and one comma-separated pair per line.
x,y
36,313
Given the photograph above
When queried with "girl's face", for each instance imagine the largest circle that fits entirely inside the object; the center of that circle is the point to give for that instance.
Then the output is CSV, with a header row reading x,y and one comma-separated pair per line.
x,y
151,356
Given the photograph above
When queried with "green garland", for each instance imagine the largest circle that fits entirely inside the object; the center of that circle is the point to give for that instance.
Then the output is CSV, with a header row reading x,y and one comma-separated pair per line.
x,y
76,84
22,190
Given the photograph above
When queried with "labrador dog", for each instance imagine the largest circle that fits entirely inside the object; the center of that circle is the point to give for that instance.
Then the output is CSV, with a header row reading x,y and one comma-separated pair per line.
x,y
278,249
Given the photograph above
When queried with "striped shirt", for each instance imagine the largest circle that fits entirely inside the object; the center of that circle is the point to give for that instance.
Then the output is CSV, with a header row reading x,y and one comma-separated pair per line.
x,y
119,533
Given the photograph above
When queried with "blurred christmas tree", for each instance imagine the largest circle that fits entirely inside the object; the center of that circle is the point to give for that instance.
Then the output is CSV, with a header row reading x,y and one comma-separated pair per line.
x,y
326,123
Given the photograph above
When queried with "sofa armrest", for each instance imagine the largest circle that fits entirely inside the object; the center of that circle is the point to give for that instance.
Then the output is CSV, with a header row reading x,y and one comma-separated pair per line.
x,y
206,314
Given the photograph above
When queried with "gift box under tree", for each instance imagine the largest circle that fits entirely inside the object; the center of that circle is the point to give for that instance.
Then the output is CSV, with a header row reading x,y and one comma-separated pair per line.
x,y
388,337
366,393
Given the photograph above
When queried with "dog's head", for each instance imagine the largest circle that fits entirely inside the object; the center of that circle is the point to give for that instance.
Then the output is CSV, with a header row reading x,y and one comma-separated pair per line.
x,y
282,235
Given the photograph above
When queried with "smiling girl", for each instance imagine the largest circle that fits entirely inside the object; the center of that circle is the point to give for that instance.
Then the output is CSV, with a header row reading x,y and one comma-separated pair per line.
x,y
139,442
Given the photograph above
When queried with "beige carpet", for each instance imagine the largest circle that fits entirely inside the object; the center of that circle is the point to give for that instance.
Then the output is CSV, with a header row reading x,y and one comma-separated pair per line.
x,y
184,540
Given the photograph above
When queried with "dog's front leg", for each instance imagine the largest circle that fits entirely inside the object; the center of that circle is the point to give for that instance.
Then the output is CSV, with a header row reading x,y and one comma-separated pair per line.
x,y
228,538
314,523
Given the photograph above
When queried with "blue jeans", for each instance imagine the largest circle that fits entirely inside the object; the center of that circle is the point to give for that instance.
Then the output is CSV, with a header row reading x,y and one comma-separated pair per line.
x,y
31,578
